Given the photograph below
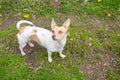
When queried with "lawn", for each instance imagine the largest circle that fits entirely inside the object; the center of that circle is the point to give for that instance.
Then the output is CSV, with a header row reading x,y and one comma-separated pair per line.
x,y
93,44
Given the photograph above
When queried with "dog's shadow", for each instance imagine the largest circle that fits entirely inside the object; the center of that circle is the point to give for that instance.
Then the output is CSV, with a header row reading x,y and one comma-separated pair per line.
x,y
30,57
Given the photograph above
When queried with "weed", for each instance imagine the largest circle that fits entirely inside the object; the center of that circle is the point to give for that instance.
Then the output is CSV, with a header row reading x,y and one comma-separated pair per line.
x,y
65,6
99,57
96,44
115,43
111,75
92,62
84,34
118,67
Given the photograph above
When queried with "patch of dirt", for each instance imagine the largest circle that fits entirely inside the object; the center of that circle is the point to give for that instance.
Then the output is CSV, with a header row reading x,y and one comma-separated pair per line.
x,y
95,68
97,22
31,59
9,22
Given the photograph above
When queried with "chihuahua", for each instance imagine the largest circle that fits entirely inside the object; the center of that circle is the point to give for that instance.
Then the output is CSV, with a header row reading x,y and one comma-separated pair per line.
x,y
53,41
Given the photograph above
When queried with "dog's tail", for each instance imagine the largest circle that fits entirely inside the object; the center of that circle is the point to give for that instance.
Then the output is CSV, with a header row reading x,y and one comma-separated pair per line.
x,y
23,21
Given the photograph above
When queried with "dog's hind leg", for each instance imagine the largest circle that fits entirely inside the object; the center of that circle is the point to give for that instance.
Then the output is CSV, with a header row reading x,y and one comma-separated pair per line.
x,y
21,47
22,44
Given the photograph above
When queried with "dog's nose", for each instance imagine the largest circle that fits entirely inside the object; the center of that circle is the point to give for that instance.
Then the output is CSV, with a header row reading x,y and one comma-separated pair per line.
x,y
53,36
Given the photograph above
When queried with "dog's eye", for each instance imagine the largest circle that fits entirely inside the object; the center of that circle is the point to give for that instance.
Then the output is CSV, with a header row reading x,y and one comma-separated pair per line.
x,y
60,32
52,31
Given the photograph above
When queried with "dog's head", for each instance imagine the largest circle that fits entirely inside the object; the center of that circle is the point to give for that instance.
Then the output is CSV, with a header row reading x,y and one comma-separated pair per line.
x,y
59,32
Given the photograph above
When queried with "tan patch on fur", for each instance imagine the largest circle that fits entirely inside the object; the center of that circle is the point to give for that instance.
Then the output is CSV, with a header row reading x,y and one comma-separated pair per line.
x,y
35,38
21,29
34,31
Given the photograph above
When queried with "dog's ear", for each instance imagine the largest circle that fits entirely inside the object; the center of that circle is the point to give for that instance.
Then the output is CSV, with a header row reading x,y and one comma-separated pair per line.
x,y
53,24
66,23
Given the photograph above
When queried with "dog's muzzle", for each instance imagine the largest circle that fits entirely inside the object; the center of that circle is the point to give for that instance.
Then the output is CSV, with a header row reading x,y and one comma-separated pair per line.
x,y
54,37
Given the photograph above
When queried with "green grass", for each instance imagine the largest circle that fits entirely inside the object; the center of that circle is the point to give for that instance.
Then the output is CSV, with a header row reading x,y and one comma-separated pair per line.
x,y
77,49
57,72
47,9
12,67
111,75
99,57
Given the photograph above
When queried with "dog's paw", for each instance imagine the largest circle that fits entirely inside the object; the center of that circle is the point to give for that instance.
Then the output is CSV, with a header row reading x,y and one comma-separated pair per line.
x,y
23,54
62,56
50,60
31,44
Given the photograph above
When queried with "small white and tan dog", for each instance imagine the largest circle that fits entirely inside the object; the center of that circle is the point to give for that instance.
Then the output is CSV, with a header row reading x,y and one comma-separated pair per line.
x,y
53,41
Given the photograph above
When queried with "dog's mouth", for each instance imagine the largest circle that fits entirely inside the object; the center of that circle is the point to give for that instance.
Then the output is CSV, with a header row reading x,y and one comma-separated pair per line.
x,y
56,38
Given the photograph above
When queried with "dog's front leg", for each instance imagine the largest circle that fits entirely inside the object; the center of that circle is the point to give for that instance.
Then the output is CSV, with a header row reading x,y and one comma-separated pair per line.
x,y
61,55
49,56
